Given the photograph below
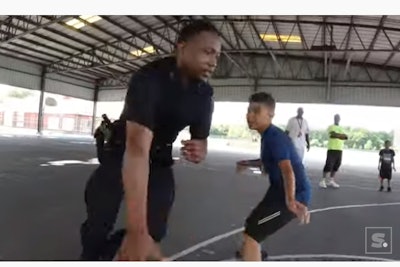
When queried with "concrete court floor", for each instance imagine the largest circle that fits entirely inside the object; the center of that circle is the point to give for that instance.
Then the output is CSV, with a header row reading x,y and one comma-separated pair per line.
x,y
41,202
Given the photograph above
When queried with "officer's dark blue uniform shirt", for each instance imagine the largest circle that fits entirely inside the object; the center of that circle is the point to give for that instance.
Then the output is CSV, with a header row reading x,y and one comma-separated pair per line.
x,y
275,147
157,99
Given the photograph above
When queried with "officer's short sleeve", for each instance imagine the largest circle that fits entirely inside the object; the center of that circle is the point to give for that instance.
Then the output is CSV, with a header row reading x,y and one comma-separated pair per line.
x,y
200,129
141,100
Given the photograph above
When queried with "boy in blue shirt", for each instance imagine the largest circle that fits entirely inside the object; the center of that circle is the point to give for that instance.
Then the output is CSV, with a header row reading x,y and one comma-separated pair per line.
x,y
289,193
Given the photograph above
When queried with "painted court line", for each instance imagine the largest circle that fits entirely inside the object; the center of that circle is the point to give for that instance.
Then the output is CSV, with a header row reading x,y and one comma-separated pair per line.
x,y
322,256
363,187
239,230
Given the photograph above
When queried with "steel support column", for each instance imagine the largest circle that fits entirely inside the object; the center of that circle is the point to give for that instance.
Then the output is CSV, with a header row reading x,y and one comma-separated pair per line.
x,y
95,99
329,80
256,84
41,101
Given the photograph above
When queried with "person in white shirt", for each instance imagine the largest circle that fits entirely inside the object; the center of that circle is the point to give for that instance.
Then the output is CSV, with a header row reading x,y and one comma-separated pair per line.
x,y
298,131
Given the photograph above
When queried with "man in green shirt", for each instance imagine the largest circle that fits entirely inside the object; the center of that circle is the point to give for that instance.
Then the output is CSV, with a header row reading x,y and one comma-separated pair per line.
x,y
334,154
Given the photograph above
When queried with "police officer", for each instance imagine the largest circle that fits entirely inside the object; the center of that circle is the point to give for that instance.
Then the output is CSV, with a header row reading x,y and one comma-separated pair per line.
x,y
103,194
163,98
102,135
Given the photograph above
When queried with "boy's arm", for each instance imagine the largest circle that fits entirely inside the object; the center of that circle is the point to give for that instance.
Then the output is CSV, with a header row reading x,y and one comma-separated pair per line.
x,y
288,180
394,167
281,155
380,160
297,208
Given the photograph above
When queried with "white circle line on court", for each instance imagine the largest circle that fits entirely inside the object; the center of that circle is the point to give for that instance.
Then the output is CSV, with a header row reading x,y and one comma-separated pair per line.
x,y
239,230
336,256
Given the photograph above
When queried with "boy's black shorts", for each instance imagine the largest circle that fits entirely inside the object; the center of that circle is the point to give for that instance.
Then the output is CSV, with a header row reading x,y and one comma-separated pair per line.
x,y
268,217
385,173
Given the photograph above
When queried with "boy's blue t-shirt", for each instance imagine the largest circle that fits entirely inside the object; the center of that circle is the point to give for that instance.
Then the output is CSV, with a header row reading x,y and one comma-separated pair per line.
x,y
275,147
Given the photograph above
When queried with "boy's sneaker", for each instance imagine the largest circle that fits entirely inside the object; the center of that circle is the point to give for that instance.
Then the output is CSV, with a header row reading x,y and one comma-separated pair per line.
x,y
322,184
381,188
333,184
389,189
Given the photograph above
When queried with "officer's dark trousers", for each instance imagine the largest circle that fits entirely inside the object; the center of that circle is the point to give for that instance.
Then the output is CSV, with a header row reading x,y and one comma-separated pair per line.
x,y
100,153
103,196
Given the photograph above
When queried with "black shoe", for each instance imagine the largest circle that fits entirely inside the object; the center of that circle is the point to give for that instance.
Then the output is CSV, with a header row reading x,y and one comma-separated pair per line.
x,y
264,255
84,257
389,189
381,188
238,255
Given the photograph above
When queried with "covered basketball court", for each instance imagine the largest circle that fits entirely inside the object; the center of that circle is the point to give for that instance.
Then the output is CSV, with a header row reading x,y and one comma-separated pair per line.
x,y
299,59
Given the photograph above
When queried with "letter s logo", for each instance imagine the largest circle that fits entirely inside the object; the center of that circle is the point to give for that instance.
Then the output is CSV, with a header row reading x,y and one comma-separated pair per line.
x,y
377,240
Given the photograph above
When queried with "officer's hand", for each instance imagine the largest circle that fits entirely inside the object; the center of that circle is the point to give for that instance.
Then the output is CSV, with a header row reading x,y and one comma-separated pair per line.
x,y
194,150
136,246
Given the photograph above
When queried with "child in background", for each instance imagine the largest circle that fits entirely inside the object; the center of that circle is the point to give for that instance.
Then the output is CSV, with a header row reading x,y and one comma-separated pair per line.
x,y
386,164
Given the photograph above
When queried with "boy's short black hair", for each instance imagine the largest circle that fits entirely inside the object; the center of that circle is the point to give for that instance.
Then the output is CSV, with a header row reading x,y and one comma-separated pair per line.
x,y
387,141
195,27
263,98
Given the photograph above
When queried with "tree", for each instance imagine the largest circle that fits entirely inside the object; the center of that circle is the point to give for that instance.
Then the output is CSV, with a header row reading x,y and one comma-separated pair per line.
x,y
233,131
20,93
239,131
219,130
368,145
358,138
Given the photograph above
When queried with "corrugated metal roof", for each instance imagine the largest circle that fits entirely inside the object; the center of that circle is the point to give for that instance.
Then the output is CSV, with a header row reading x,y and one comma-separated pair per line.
x,y
110,41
